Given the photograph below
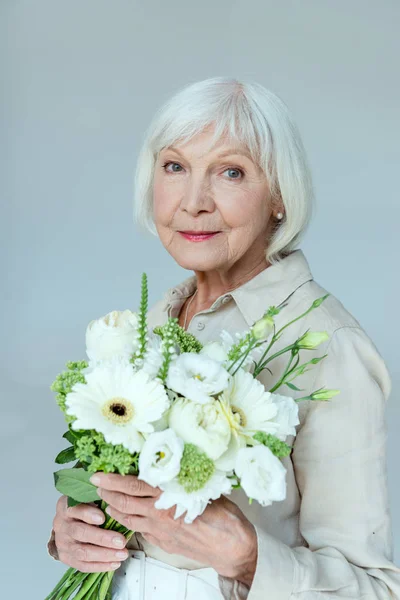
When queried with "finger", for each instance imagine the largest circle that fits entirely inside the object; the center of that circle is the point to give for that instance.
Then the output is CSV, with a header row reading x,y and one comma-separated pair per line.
x,y
62,504
87,513
92,553
130,505
132,522
87,567
91,534
128,484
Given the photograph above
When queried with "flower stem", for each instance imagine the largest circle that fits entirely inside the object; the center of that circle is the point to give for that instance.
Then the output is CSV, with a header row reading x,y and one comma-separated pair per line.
x,y
91,581
105,585
60,584
76,582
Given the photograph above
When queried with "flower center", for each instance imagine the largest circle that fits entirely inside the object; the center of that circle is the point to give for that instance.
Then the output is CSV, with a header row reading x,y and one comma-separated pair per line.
x,y
160,455
118,410
199,377
239,416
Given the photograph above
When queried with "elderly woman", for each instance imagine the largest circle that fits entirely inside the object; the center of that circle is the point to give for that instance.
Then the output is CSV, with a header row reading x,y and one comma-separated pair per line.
x,y
223,180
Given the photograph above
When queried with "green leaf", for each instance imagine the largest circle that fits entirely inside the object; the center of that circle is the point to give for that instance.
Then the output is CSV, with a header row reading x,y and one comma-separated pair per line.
x,y
75,483
65,456
72,502
293,387
70,437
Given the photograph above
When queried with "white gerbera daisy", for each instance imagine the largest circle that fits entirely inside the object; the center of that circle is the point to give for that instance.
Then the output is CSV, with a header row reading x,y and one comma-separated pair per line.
x,y
197,377
248,406
118,402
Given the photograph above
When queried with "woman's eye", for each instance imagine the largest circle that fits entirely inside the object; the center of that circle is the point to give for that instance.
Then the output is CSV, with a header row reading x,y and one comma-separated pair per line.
x,y
165,165
235,172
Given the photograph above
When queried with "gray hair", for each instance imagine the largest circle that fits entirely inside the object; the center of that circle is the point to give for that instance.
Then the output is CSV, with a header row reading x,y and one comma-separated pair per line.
x,y
254,117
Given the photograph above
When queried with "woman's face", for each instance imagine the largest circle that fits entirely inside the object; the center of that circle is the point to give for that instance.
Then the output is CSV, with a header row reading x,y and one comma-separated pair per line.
x,y
220,191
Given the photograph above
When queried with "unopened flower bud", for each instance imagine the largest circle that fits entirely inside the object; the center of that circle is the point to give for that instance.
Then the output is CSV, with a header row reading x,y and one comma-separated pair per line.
x,y
324,394
312,339
263,327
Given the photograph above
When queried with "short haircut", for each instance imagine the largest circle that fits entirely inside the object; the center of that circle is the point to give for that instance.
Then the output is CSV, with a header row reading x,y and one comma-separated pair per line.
x,y
252,116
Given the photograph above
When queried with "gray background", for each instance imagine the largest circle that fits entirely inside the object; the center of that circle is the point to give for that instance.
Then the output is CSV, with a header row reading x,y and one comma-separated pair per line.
x,y
80,82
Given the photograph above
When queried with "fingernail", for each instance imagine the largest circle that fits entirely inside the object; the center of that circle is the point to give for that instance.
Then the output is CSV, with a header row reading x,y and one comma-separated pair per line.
x,y
95,479
118,542
97,518
122,555
115,565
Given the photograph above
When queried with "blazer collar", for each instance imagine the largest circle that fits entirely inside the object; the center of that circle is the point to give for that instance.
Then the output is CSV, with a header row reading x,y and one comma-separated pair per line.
x,y
272,286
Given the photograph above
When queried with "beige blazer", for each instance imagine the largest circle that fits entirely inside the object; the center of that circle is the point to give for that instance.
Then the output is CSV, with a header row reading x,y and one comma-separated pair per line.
x,y
331,537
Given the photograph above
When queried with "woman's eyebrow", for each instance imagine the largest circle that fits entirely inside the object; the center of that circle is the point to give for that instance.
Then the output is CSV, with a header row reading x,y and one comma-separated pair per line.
x,y
241,151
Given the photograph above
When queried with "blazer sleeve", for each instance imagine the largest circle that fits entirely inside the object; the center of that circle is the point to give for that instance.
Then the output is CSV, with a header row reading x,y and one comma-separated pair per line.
x,y
339,457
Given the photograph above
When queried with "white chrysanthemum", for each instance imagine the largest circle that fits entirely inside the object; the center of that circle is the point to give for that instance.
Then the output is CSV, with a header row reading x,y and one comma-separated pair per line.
x,y
193,503
115,334
160,457
204,425
262,475
197,377
118,402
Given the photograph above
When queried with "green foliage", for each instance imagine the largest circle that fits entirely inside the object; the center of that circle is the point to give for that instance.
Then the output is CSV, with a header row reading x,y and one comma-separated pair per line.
x,y
75,483
65,456
186,341
196,468
277,447
142,322
64,383
97,455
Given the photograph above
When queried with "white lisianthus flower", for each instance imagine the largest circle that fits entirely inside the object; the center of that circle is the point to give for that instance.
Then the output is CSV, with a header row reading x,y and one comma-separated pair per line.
x,y
262,475
197,377
204,425
115,334
118,402
160,457
287,417
248,408
195,502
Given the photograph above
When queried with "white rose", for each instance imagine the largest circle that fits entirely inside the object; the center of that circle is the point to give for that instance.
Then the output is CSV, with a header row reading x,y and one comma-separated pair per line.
x,y
197,377
113,335
160,457
262,475
216,351
204,425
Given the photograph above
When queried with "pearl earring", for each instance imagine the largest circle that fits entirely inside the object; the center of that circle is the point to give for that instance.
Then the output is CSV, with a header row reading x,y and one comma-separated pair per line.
x,y
279,215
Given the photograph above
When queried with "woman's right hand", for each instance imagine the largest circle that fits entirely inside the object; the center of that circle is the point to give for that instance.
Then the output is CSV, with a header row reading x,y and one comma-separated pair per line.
x,y
81,543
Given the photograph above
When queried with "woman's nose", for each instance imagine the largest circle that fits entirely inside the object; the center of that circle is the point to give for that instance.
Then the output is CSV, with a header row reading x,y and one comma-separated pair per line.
x,y
198,196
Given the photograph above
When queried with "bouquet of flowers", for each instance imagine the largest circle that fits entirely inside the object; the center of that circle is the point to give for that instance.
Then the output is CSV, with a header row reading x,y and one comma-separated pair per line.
x,y
192,419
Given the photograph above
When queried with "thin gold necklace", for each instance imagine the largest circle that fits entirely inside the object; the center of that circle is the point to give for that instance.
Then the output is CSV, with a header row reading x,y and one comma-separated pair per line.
x,y
187,308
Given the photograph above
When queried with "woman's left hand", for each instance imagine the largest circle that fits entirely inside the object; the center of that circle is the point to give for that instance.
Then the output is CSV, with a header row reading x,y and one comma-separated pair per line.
x,y
222,537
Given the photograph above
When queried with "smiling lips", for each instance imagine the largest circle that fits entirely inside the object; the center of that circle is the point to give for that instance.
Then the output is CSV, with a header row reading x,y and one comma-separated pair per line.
x,y
198,236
